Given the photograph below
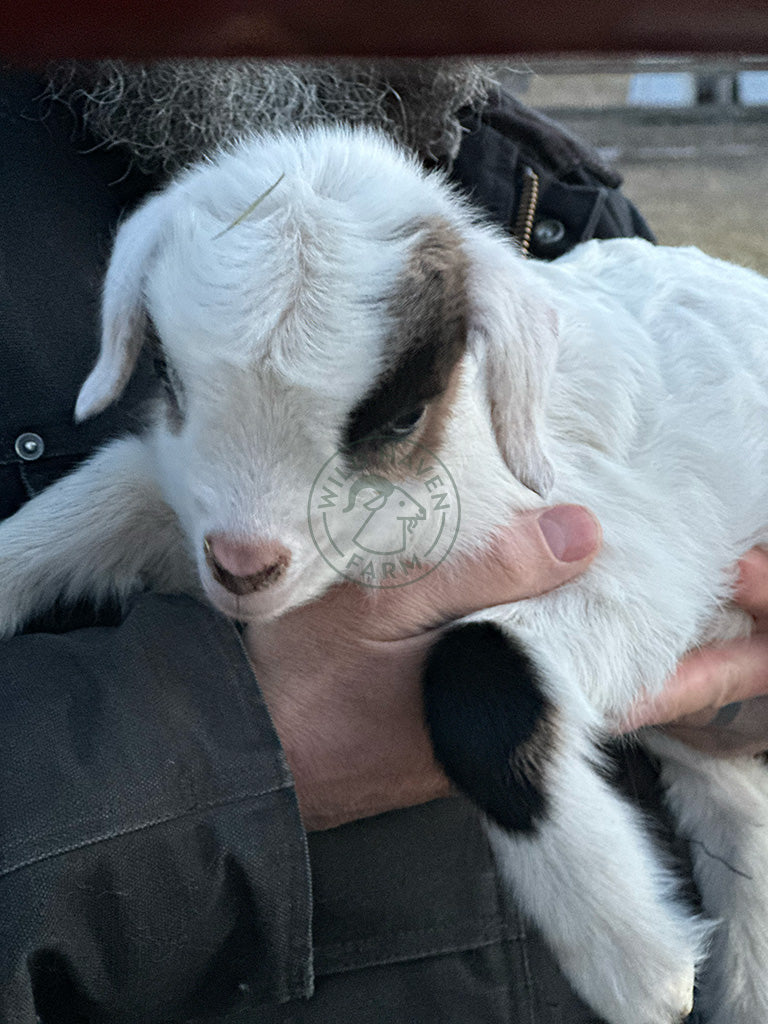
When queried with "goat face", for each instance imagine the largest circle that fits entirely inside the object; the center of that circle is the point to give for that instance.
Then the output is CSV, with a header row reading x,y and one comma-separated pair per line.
x,y
331,321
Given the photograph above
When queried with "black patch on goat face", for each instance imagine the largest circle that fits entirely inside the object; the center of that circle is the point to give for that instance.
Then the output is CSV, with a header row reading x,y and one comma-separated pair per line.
x,y
429,310
492,728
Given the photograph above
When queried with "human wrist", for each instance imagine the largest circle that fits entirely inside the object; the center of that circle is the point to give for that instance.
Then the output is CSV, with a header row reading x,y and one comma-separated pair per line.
x,y
352,727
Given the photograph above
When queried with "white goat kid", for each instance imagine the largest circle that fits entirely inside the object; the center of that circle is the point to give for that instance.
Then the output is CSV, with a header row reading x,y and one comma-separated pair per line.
x,y
359,307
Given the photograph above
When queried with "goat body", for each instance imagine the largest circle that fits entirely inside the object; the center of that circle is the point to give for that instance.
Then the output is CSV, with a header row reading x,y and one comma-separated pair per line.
x,y
359,308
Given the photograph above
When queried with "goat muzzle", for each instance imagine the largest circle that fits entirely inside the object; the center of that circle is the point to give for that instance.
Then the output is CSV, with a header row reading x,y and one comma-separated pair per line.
x,y
245,566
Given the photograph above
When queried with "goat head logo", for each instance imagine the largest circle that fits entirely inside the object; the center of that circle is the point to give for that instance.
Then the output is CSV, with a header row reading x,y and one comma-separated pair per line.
x,y
393,514
383,532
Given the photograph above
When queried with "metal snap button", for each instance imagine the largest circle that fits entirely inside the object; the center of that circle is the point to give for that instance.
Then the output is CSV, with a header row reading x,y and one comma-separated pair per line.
x,y
29,446
547,232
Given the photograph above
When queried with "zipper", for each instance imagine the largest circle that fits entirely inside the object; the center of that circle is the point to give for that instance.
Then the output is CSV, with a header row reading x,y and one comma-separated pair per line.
x,y
526,210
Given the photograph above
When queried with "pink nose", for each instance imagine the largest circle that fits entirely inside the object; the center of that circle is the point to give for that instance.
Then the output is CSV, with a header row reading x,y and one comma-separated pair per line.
x,y
245,566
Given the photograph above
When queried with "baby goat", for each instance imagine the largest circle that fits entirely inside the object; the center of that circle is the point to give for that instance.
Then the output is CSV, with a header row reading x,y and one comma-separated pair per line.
x,y
359,312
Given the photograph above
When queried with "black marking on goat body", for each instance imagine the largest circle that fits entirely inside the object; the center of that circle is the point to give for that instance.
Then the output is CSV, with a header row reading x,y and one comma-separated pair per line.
x,y
429,313
492,728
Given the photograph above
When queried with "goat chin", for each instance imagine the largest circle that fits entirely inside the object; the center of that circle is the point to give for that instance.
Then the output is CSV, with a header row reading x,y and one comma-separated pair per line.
x,y
317,297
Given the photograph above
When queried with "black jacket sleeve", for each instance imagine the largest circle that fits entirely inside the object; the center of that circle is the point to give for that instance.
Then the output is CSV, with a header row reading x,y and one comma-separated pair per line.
x,y
152,861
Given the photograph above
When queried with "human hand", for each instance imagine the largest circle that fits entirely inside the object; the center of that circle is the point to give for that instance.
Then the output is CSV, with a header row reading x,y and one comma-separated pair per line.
x,y
342,676
717,701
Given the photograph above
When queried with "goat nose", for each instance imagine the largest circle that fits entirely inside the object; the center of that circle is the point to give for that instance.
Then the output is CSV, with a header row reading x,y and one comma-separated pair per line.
x,y
245,566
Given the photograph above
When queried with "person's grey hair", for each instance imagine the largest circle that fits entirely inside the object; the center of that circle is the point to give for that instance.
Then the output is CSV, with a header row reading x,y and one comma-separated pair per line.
x,y
172,112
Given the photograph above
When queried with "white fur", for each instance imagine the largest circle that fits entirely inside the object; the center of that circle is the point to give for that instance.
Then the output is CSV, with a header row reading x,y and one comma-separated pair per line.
x,y
629,378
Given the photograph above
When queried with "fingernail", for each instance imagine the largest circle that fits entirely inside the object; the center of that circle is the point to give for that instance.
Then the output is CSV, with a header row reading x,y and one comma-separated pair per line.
x,y
571,532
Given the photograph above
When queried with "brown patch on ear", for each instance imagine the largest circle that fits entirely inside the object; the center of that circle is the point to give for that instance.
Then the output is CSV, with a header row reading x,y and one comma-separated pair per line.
x,y
429,312
430,304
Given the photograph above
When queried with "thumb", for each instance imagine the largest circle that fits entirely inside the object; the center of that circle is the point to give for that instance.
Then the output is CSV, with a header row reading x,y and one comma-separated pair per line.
x,y
537,552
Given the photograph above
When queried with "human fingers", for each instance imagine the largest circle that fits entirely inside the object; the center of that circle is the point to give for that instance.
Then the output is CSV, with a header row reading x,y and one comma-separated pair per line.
x,y
738,729
706,681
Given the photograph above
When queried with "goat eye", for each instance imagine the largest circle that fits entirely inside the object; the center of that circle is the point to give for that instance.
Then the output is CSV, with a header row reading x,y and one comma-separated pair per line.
x,y
379,438
167,377
173,389
160,367
405,424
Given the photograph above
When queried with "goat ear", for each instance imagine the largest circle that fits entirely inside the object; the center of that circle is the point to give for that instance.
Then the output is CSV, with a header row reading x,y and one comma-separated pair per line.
x,y
515,337
122,312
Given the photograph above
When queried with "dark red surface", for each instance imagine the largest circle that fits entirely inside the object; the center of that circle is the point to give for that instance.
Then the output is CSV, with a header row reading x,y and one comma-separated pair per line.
x,y
37,30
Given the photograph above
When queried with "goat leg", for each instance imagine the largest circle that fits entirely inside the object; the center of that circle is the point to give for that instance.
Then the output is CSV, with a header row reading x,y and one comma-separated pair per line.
x,y
101,532
721,807
574,853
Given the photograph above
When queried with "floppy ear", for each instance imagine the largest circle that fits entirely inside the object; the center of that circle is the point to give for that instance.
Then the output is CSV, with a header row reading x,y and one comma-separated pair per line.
x,y
515,338
122,311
